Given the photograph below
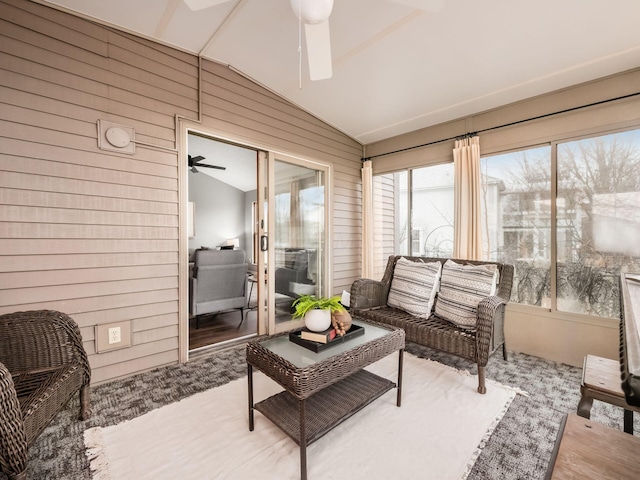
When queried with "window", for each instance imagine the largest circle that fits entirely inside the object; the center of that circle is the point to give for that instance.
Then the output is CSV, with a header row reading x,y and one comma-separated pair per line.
x,y
595,223
598,221
516,214
283,216
428,229
311,204
432,211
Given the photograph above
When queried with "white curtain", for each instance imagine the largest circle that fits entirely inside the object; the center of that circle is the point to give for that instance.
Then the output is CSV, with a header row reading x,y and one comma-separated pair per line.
x,y
367,220
467,216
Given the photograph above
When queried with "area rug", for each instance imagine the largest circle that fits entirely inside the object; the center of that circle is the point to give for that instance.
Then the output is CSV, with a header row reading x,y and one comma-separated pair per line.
x,y
437,433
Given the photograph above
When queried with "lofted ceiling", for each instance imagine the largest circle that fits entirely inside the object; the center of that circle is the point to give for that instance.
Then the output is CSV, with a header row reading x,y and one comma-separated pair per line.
x,y
397,68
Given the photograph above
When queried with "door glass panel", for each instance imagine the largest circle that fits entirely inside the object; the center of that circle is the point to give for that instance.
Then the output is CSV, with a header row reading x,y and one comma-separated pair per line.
x,y
222,219
299,200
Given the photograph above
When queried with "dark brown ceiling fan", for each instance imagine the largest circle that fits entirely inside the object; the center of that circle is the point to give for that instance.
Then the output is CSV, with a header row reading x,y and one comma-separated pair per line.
x,y
197,162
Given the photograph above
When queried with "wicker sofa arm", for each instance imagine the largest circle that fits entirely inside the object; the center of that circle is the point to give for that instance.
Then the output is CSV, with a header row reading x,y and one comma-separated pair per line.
x,y
367,293
490,313
23,334
13,439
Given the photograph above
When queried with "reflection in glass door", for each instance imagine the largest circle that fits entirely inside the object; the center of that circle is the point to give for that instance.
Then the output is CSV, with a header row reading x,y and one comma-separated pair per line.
x,y
298,196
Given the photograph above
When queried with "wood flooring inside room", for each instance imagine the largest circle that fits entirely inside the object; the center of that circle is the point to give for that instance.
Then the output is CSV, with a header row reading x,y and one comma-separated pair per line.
x,y
225,326
221,327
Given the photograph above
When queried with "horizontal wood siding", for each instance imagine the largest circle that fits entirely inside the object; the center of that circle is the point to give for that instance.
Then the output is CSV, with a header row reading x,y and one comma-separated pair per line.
x,y
83,230
95,233
384,207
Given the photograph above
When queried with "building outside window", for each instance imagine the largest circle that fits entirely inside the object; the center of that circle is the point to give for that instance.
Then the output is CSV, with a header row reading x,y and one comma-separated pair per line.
x,y
516,214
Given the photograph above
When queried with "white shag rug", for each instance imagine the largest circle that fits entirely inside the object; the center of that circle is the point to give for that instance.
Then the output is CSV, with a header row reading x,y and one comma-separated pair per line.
x,y
437,433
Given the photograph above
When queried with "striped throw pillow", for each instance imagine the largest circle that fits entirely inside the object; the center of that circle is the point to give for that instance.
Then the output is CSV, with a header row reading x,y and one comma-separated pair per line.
x,y
462,288
414,286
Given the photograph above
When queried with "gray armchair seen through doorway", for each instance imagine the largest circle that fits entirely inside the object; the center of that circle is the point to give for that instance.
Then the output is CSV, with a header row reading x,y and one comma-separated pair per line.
x,y
218,282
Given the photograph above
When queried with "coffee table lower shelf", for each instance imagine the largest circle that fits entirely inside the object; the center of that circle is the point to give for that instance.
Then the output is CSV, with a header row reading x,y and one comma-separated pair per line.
x,y
325,409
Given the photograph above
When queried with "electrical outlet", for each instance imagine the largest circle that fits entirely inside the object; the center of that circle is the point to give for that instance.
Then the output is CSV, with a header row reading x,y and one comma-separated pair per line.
x,y
115,335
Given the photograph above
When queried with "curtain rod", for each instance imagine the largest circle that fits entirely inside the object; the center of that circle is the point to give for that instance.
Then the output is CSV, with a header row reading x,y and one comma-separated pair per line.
x,y
467,135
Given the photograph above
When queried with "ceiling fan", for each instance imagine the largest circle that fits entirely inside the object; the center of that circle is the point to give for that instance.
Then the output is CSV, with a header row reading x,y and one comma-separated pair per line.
x,y
315,16
197,162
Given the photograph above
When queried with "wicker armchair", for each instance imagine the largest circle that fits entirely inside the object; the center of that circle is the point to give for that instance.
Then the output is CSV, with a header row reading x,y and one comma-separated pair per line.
x,y
369,302
42,364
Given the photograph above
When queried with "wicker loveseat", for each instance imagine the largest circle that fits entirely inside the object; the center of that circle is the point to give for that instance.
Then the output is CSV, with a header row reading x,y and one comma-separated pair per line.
x,y
42,365
369,302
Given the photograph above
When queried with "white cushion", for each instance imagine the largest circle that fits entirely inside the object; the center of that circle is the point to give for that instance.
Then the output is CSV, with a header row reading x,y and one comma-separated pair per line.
x,y
414,286
462,288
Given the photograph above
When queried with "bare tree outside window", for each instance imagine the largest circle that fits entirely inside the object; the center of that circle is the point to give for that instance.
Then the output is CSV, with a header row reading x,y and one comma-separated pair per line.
x,y
597,220
599,214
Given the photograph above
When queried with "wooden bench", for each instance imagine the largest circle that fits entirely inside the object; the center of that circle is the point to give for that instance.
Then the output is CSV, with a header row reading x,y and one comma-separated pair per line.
x,y
601,381
591,451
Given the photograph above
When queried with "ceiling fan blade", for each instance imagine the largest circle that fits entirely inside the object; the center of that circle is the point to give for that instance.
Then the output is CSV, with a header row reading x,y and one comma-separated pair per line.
x,y
193,160
217,167
425,5
200,4
318,50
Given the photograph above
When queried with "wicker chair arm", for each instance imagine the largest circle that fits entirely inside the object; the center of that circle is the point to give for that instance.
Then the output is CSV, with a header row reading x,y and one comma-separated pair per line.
x,y
490,311
41,339
367,293
13,439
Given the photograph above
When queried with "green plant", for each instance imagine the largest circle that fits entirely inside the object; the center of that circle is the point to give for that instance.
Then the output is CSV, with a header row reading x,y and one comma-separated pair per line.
x,y
304,303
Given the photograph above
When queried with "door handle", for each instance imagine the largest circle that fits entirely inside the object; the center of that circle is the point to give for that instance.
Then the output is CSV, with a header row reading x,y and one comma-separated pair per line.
x,y
264,243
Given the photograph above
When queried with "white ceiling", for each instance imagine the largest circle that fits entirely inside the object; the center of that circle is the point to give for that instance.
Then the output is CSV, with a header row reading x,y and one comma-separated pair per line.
x,y
396,68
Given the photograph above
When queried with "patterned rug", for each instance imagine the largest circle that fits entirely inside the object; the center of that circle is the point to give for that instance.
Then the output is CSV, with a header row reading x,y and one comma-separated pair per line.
x,y
520,447
436,434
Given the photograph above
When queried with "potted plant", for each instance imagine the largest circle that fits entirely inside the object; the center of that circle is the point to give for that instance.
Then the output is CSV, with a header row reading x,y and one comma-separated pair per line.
x,y
316,311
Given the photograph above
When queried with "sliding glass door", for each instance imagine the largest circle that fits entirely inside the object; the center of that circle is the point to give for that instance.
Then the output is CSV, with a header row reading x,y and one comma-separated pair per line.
x,y
298,197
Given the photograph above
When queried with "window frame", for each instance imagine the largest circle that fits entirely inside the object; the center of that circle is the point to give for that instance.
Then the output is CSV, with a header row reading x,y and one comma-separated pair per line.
x,y
551,311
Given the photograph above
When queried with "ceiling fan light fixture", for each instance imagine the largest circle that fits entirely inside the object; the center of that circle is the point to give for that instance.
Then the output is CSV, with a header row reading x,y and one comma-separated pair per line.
x,y
312,11
194,169
315,16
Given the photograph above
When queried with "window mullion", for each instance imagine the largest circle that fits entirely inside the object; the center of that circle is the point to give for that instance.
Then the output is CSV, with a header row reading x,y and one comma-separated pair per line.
x,y
554,228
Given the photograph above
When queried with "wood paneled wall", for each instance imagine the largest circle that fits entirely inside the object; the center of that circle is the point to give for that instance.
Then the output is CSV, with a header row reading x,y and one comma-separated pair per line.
x,y
95,233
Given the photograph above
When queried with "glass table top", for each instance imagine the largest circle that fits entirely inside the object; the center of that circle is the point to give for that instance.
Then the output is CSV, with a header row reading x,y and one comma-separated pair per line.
x,y
302,357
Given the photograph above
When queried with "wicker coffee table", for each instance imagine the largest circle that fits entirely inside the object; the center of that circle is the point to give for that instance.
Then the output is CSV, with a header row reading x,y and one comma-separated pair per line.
x,y
321,389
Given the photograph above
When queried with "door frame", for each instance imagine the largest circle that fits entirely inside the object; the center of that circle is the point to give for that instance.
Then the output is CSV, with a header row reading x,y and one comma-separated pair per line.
x,y
265,172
